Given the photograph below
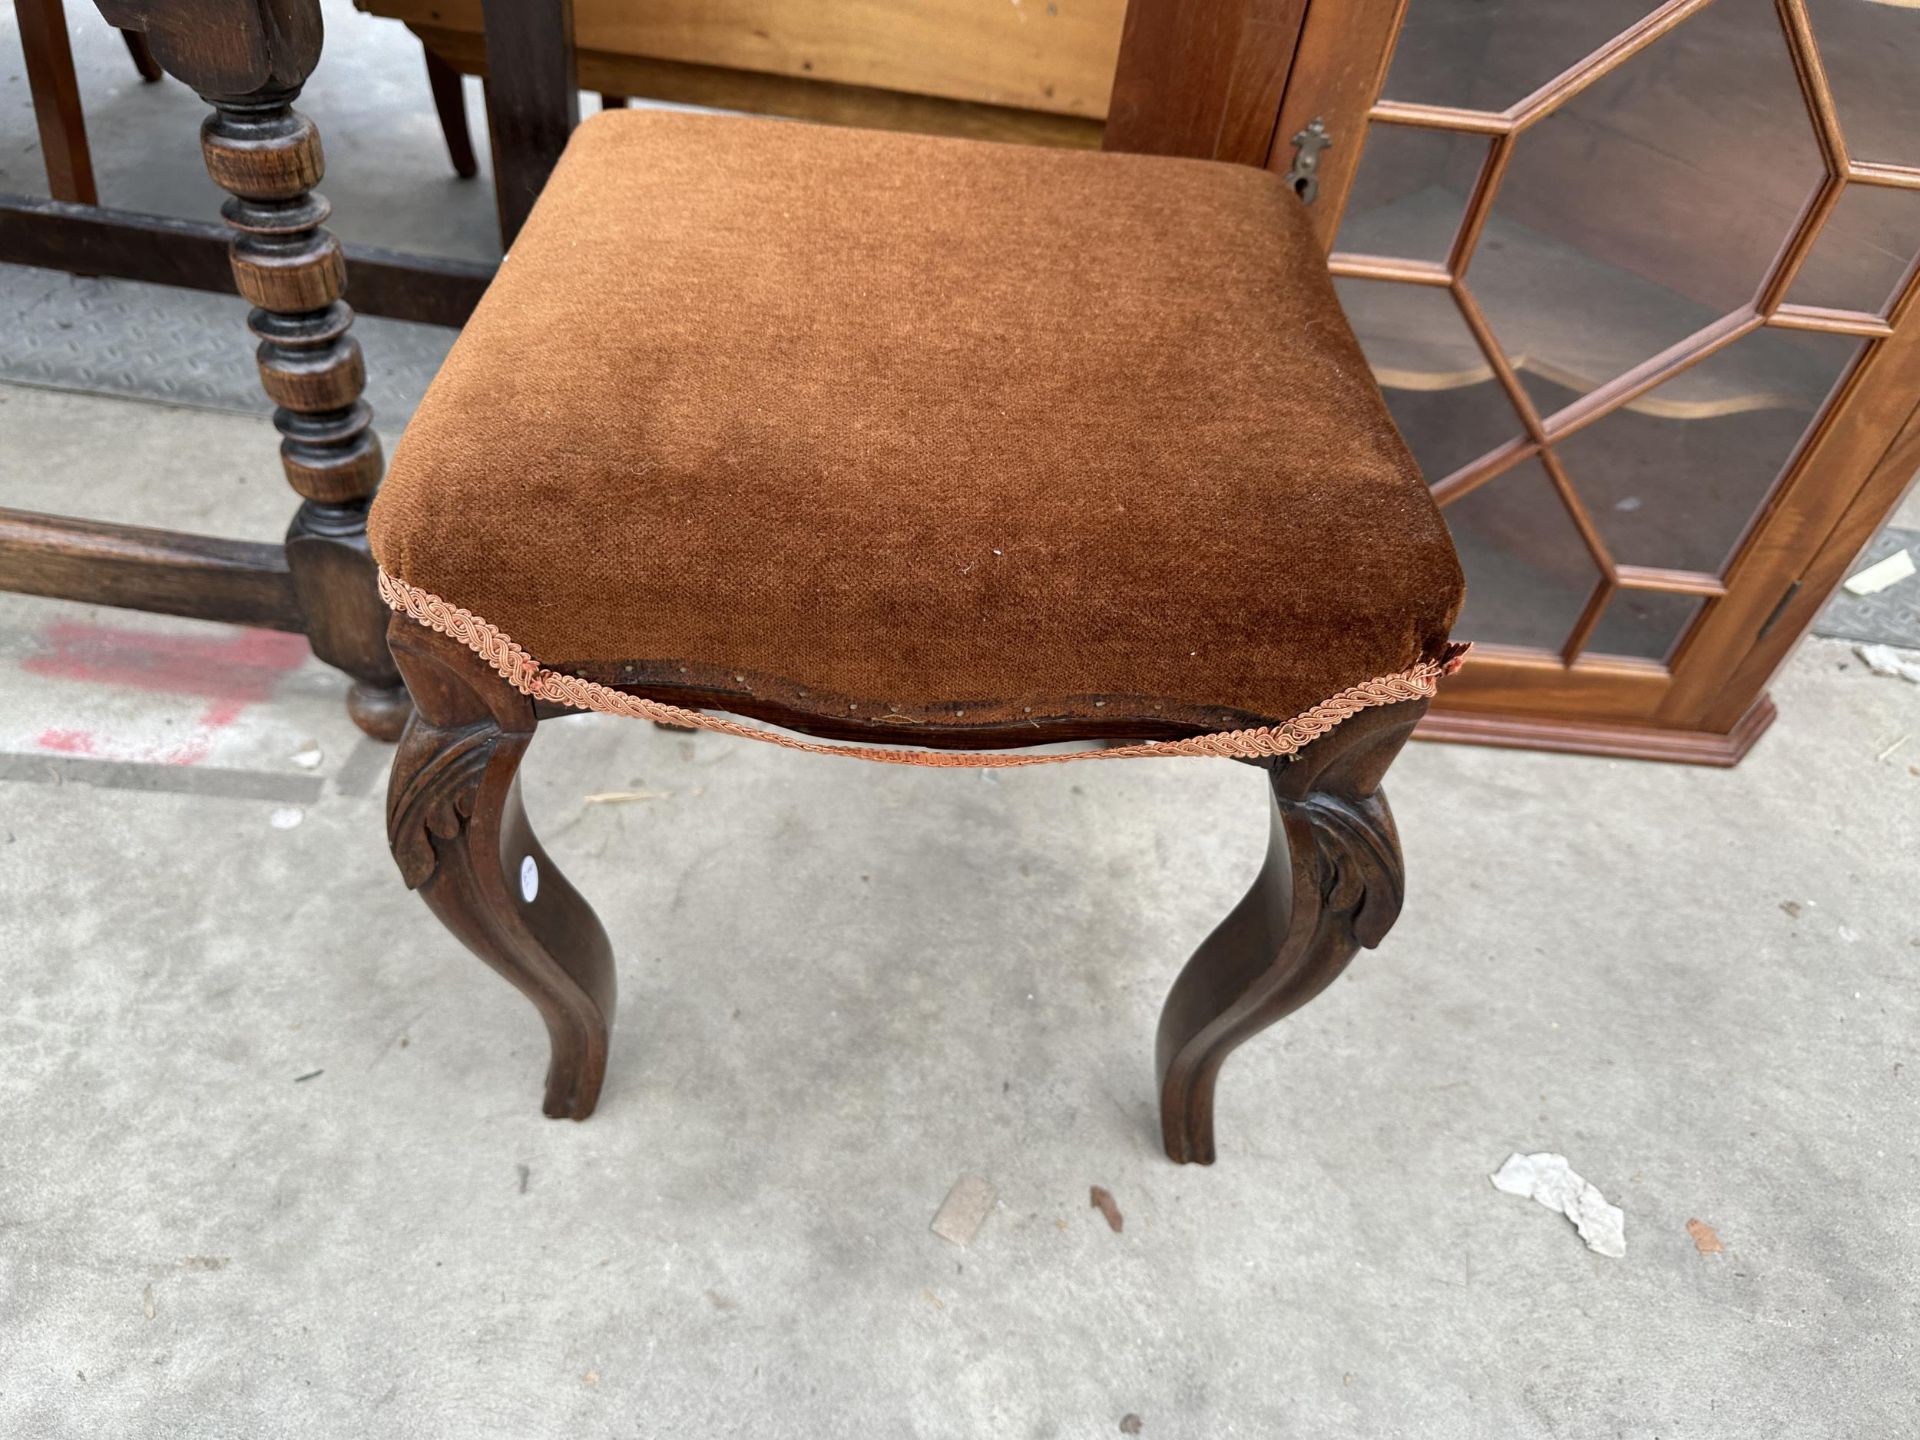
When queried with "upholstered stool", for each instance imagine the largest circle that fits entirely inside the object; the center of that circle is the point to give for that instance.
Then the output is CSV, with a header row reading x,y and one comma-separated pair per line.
x,y
939,447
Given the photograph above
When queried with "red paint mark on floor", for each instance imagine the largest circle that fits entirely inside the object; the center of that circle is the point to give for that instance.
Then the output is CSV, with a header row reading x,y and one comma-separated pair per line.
x,y
229,670
67,742
238,667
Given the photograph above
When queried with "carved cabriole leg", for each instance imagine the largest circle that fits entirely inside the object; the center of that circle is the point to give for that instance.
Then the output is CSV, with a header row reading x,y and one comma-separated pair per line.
x,y
267,156
1332,882
461,838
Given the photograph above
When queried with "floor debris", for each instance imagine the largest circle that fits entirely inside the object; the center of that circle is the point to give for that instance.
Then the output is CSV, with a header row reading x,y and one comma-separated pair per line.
x,y
1705,1238
1881,574
1129,1424
965,1209
627,797
309,755
286,817
1548,1178
1102,1200
1885,660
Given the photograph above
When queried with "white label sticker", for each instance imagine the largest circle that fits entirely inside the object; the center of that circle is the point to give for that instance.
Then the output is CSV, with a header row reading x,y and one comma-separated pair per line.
x,y
529,879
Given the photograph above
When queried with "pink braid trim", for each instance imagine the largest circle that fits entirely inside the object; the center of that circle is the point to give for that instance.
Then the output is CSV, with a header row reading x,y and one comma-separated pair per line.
x,y
529,677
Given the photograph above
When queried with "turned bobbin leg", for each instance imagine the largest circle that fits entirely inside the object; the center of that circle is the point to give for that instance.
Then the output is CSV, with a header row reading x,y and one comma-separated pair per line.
x,y
1332,882
249,59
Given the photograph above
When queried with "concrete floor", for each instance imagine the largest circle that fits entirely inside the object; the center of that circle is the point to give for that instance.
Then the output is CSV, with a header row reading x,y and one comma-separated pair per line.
x,y
273,1162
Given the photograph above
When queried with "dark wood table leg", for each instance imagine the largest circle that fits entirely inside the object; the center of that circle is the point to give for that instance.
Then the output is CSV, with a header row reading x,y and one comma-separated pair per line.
x,y
533,99
143,60
249,59
56,100
450,104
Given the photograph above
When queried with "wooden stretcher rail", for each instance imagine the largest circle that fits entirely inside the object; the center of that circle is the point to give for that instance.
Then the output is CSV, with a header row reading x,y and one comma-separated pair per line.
x,y
135,568
162,250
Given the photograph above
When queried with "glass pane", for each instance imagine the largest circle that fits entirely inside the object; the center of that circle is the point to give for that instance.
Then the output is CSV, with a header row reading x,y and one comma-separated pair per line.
x,y
1528,574
1486,54
1672,479
1871,49
1642,624
1438,385
1411,192
1650,205
1644,209
1863,251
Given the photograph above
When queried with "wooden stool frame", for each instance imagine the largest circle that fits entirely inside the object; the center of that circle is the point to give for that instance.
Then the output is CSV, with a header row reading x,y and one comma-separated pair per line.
x,y
1193,78
1332,881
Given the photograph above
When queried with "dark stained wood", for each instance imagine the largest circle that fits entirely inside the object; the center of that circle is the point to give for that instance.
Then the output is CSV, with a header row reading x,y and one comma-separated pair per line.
x,y
82,239
163,250
333,576
287,263
140,569
450,104
460,837
1332,883
226,49
533,100
56,100
248,58
1203,78
142,54
828,716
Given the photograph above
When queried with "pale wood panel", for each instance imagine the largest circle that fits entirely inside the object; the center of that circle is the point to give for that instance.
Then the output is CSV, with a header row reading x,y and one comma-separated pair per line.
x,y
1050,55
757,93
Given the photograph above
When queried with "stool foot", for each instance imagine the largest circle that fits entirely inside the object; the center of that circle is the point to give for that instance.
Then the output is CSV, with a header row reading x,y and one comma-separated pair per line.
x,y
461,838
1332,882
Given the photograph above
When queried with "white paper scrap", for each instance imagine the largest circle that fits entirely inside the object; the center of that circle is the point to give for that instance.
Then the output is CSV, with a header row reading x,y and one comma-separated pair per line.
x,y
1882,573
1550,1180
1885,660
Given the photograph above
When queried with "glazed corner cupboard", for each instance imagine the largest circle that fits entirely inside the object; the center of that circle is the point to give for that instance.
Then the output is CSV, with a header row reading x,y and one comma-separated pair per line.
x,y
1638,281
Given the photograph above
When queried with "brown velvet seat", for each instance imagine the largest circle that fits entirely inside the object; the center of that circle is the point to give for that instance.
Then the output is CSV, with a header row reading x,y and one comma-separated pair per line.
x,y
851,422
